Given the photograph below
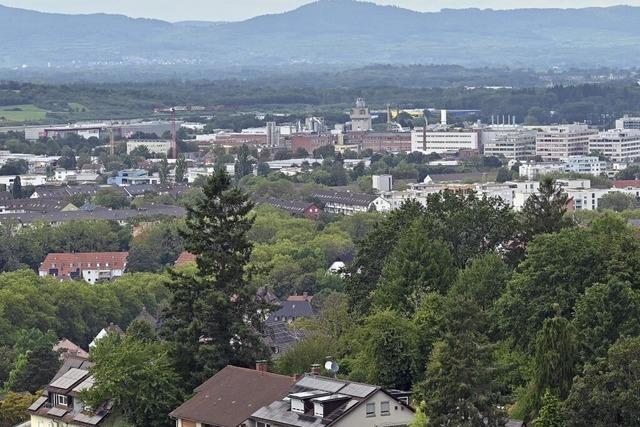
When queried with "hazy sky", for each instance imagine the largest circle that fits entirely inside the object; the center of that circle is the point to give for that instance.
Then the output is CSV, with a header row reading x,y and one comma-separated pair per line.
x,y
231,10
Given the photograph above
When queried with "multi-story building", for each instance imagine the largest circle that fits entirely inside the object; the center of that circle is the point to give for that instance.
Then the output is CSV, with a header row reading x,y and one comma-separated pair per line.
x,y
533,171
155,146
512,142
345,202
392,142
558,142
591,165
273,135
133,177
628,122
620,145
444,140
310,141
361,119
91,267
382,182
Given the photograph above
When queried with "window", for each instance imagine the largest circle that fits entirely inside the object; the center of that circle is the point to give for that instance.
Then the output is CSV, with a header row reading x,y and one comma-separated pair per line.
x,y
61,400
263,424
371,409
384,408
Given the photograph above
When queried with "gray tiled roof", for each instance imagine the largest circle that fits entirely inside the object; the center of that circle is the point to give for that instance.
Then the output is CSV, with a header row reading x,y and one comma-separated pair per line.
x,y
98,214
343,197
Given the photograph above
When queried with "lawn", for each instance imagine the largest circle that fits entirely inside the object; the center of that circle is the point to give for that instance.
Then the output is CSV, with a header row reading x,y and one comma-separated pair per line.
x,y
21,113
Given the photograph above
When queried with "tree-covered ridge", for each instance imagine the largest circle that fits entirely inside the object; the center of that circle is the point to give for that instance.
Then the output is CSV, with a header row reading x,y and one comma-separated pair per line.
x,y
598,104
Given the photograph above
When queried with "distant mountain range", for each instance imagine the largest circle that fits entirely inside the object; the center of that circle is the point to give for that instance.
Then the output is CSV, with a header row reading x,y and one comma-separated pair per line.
x,y
340,32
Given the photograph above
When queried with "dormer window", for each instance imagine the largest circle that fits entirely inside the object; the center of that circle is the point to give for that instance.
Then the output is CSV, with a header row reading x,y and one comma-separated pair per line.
x,y
61,400
297,405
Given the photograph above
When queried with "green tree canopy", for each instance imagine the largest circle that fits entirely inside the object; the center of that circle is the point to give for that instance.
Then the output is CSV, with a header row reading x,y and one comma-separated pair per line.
x,y
417,265
606,393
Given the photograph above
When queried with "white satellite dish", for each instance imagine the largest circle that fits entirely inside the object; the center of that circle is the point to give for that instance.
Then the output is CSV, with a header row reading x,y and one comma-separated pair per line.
x,y
331,366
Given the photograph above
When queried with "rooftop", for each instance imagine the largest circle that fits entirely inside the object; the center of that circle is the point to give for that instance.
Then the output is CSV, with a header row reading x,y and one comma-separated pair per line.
x,y
229,397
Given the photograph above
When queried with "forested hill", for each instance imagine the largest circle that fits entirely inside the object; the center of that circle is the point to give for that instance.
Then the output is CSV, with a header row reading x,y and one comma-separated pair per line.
x,y
344,32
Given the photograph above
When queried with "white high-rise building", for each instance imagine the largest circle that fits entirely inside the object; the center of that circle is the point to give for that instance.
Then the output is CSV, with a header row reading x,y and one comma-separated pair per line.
x,y
620,145
442,140
559,142
512,142
273,135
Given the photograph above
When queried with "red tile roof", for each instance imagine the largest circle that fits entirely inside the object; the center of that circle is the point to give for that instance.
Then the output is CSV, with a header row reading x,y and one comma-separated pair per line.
x,y
66,263
185,258
625,183
232,395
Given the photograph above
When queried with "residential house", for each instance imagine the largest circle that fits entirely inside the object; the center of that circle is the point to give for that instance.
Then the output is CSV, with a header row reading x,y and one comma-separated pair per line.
x,y
278,336
60,404
89,266
67,349
230,397
121,216
291,310
346,203
294,207
111,329
316,401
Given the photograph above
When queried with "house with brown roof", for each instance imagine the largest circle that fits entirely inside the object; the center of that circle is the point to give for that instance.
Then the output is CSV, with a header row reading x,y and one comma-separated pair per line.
x,y
60,404
229,397
67,348
89,266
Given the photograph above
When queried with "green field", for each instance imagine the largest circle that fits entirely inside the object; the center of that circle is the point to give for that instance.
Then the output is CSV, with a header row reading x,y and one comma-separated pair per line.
x,y
22,113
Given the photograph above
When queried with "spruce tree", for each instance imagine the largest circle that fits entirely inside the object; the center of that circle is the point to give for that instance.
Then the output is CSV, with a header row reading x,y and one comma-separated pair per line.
x,y
214,315
545,212
16,189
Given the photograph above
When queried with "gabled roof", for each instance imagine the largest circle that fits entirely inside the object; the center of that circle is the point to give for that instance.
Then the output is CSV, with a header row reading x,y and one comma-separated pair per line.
x,y
626,183
293,206
185,258
67,263
292,309
232,395
346,198
68,348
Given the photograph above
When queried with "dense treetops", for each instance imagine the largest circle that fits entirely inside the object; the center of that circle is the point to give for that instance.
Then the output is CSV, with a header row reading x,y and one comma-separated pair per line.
x,y
482,312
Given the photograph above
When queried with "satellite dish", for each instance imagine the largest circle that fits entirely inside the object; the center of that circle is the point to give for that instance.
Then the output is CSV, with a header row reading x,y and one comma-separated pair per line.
x,y
331,366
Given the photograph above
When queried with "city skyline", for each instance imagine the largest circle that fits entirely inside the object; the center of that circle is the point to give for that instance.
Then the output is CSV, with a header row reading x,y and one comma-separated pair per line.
x,y
221,10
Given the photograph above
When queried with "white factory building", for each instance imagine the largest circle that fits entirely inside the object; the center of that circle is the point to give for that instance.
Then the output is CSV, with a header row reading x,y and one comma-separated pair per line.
x,y
444,140
154,146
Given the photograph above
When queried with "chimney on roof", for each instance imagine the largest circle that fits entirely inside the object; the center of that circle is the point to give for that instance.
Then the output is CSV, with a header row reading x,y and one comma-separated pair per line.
x,y
262,366
315,369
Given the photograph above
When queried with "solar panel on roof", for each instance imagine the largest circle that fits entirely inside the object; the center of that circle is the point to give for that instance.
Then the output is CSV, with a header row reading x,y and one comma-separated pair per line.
x,y
57,412
67,380
320,384
37,404
358,390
